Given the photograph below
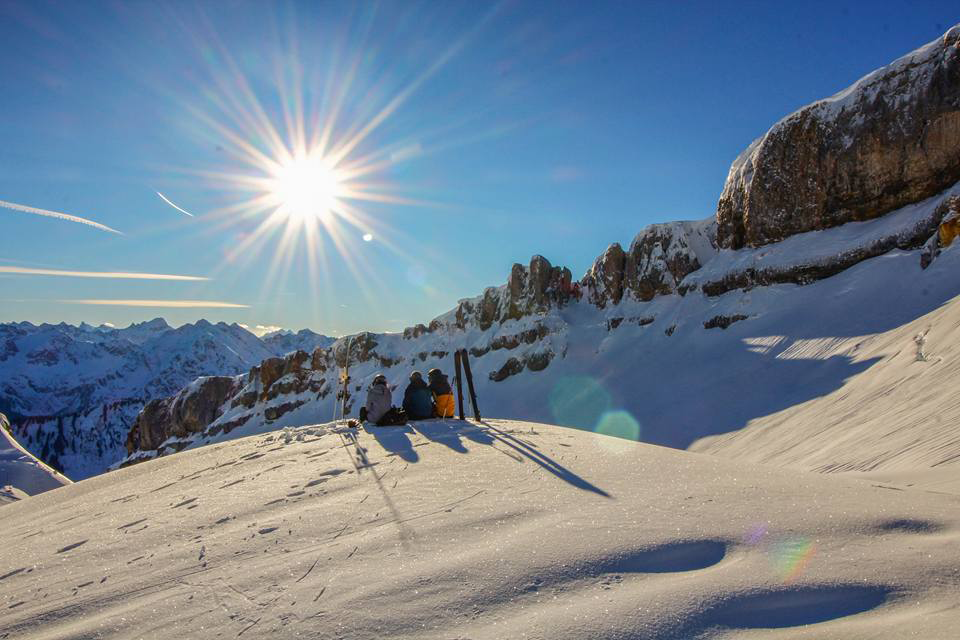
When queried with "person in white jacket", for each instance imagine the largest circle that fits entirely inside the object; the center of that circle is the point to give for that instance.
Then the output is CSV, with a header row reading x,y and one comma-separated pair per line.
x,y
379,399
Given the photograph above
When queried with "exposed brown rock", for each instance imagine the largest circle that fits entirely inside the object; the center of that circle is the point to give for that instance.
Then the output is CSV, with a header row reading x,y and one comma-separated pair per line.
x,y
946,232
318,361
723,321
604,280
949,230
270,371
529,290
660,257
415,331
247,399
477,352
539,361
272,413
890,140
190,411
511,367
294,362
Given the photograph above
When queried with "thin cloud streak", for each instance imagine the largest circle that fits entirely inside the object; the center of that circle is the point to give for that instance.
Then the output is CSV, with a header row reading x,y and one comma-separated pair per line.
x,y
167,200
172,304
120,275
56,214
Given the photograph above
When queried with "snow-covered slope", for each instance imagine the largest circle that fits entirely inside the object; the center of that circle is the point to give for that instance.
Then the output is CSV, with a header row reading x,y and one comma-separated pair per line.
x,y
900,414
668,371
72,392
21,474
465,530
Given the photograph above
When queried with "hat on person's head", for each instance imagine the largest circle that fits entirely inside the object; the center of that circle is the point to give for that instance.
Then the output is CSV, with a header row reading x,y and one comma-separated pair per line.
x,y
416,376
434,373
379,379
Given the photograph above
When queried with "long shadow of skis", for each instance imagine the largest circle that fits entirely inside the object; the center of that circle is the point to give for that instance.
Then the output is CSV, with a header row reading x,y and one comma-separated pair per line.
x,y
544,461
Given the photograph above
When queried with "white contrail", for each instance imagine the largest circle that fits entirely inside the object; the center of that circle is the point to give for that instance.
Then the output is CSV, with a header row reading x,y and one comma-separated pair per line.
x,y
167,200
56,214
210,304
122,275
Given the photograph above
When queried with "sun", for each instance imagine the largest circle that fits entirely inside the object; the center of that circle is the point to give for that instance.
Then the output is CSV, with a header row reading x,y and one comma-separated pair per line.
x,y
306,187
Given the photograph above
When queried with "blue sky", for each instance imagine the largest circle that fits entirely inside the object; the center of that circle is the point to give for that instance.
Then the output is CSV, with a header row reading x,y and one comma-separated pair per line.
x,y
491,132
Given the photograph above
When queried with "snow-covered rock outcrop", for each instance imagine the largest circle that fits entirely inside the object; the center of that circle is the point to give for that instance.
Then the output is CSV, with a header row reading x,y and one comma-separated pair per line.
x,y
529,290
72,392
660,257
891,139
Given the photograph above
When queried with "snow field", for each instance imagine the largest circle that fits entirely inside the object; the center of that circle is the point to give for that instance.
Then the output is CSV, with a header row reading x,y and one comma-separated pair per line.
x,y
462,530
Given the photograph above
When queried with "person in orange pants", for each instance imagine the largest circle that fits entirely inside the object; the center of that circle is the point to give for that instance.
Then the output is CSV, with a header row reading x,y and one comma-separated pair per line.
x,y
442,393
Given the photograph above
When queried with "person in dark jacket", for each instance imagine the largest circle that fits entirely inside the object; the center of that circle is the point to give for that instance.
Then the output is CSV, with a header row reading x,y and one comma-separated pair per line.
x,y
442,393
417,399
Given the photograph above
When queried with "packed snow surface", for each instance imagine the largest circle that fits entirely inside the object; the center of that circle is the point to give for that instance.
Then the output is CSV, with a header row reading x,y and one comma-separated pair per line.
x,y
450,529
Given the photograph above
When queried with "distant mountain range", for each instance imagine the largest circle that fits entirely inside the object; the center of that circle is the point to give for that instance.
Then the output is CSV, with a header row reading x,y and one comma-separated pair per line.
x,y
72,392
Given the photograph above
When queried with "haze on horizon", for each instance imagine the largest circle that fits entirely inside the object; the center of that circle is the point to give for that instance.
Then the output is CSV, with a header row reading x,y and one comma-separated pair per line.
x,y
354,166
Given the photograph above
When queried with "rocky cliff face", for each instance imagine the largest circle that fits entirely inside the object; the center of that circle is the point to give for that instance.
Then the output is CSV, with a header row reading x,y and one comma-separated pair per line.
x,y
891,139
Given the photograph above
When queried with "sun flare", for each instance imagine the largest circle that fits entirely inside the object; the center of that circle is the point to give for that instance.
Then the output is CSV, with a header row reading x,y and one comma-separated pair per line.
x,y
306,188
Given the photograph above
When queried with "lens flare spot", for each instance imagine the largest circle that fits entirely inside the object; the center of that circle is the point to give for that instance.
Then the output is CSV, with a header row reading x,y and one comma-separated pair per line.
x,y
619,424
368,237
579,401
790,557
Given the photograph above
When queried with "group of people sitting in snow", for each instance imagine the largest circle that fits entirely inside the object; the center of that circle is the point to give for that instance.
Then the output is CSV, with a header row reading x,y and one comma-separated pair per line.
x,y
421,400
